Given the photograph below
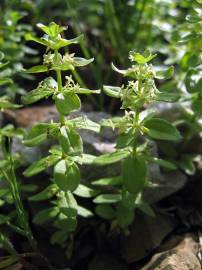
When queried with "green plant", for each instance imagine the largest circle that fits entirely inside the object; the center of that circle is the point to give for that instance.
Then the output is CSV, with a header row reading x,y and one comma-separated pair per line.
x,y
137,129
189,80
9,186
69,153
12,43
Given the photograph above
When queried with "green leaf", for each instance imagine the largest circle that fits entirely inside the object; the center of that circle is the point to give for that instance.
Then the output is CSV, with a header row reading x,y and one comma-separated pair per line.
x,y
197,105
45,194
86,91
66,223
37,134
141,58
66,176
63,139
45,215
75,142
9,262
80,62
124,216
121,71
83,212
193,81
161,129
37,69
67,103
67,204
5,103
4,81
44,90
112,91
41,165
111,181
134,174
52,30
167,97
105,211
61,42
30,37
111,157
165,74
162,162
107,198
59,237
84,159
84,123
85,192
125,139
70,141
187,164
146,208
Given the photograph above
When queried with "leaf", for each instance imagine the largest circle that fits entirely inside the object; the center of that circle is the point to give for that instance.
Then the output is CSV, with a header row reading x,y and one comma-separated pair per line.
x,y
9,263
167,97
37,94
5,103
107,198
45,194
30,37
146,209
41,165
111,157
193,81
84,212
134,174
105,211
162,162
121,71
66,223
80,62
111,181
37,69
187,164
45,215
4,81
85,192
125,139
61,42
75,142
86,91
165,74
37,134
67,103
196,105
67,204
124,216
84,123
52,30
66,176
141,58
84,159
59,237
112,91
161,129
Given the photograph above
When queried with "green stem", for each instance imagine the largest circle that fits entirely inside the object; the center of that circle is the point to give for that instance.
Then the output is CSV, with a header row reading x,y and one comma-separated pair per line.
x,y
9,175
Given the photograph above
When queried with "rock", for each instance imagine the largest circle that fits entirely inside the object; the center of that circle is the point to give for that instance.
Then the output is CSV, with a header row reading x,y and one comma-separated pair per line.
x,y
182,257
27,117
163,185
105,261
146,234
